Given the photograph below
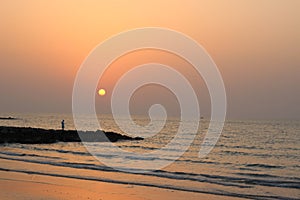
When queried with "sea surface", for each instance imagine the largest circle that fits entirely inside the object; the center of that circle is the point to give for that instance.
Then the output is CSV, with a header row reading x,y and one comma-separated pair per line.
x,y
252,159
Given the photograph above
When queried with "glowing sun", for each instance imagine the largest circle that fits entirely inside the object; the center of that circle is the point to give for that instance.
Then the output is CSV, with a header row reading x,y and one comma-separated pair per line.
x,y
101,92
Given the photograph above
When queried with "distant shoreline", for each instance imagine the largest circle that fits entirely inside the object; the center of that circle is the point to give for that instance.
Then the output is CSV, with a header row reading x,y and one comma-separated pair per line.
x,y
28,135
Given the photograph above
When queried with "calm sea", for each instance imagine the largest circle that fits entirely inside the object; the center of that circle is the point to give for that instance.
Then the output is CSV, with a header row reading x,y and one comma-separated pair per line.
x,y
252,159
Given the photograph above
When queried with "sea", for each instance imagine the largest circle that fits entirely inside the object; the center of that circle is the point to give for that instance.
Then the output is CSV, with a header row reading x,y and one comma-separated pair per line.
x,y
253,159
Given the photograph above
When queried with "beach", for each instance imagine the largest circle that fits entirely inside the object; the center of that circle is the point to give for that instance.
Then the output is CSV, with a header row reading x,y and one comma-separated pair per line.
x,y
19,180
263,166
22,186
147,100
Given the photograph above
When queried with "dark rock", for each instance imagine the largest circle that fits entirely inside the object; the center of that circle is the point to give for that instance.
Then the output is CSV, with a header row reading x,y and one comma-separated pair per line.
x,y
7,118
42,136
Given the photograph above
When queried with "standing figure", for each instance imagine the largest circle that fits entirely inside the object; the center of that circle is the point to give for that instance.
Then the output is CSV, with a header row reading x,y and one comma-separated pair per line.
x,y
63,124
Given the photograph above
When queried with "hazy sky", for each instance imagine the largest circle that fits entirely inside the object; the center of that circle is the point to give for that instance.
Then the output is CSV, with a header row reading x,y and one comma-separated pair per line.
x,y
255,44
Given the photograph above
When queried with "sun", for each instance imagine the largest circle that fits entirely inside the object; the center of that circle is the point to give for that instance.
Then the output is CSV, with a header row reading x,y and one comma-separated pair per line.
x,y
101,92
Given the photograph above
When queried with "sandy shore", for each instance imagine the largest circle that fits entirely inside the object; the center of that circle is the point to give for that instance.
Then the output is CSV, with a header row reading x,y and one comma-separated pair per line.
x,y
25,186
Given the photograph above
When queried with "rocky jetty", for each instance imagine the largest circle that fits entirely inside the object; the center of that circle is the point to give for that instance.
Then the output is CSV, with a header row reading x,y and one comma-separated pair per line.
x,y
30,135
7,118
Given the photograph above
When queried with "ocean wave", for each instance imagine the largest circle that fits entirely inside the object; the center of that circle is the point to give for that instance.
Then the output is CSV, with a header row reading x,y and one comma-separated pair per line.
x,y
240,182
265,166
30,155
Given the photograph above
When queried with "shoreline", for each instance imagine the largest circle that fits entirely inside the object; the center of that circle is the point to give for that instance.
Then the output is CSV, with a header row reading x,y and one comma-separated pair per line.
x,y
17,185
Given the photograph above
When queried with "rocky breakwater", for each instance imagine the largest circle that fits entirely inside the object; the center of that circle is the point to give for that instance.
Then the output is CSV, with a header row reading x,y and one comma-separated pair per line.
x,y
28,135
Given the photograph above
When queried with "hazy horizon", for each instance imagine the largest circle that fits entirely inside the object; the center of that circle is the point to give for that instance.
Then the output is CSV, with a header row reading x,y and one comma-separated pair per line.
x,y
255,44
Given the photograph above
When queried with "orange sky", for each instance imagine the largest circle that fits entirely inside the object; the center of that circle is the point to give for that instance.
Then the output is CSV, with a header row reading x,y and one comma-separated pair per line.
x,y
255,44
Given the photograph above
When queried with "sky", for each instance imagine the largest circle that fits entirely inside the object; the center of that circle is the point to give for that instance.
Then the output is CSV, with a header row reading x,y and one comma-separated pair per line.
x,y
254,43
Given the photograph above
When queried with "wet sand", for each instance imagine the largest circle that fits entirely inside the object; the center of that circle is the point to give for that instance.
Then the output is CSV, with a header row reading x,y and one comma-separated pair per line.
x,y
17,186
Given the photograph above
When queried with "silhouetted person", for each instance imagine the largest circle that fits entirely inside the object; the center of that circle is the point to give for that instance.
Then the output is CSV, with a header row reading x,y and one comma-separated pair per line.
x,y
63,124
